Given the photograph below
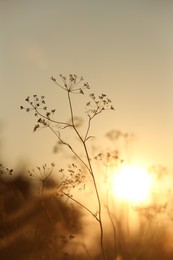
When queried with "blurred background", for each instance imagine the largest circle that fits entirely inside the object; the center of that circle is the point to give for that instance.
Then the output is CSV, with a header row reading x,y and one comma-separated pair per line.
x,y
122,48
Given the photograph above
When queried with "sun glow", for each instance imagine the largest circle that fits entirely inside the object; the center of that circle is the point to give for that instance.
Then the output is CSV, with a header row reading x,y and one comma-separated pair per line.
x,y
132,184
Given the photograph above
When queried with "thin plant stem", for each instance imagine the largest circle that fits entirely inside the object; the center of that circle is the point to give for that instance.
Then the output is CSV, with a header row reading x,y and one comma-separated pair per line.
x,y
46,121
92,174
69,146
99,203
82,205
49,119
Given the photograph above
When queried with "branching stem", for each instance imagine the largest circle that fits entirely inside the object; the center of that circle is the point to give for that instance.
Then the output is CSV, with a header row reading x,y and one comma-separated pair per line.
x,y
91,172
82,205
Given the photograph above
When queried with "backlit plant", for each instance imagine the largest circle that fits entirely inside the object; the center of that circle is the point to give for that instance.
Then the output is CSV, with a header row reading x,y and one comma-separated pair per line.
x,y
46,118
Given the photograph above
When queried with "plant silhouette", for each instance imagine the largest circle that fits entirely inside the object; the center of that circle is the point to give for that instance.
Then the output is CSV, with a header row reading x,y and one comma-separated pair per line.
x,y
72,85
35,226
74,175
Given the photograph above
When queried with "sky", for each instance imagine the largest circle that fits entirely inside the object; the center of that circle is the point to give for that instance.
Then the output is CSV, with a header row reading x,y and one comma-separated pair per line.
x,y
122,48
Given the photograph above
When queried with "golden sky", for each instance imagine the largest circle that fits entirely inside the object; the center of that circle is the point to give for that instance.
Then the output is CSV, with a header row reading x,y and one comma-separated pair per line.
x,y
122,48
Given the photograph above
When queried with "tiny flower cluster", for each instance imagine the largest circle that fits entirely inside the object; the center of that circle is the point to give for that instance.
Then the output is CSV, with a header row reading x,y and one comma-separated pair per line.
x,y
75,177
108,158
38,104
41,173
116,134
97,105
71,83
4,169
35,104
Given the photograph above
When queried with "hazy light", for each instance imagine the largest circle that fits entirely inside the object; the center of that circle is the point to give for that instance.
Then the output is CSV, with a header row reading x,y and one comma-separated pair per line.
x,y
133,184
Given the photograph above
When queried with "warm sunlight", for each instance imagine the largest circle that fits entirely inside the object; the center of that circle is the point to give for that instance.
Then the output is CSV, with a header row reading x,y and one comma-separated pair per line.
x,y
133,184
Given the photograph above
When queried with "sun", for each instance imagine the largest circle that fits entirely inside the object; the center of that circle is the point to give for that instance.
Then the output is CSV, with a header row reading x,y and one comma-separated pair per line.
x,y
132,183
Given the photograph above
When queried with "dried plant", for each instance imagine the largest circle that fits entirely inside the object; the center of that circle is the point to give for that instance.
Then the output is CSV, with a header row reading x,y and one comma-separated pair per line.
x,y
73,176
46,119
5,170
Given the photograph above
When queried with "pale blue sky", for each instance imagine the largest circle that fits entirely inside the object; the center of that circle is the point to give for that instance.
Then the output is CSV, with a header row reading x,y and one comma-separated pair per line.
x,y
123,48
